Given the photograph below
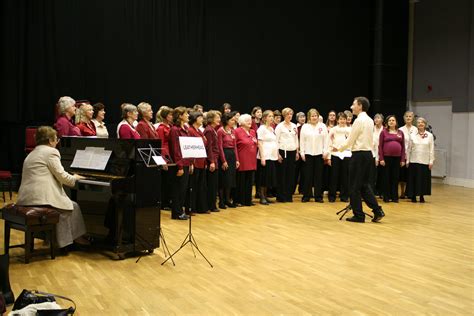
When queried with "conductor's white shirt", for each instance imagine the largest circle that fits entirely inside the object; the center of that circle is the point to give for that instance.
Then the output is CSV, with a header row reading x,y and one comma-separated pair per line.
x,y
361,136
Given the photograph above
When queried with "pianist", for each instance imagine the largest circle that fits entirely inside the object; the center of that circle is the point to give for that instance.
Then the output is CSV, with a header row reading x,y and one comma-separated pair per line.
x,y
67,110
42,183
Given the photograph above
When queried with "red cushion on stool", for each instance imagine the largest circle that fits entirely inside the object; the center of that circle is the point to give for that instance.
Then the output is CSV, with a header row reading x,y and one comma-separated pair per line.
x,y
31,215
4,175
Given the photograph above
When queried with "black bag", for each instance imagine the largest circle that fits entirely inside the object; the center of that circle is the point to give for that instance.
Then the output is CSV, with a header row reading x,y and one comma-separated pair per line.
x,y
35,297
5,280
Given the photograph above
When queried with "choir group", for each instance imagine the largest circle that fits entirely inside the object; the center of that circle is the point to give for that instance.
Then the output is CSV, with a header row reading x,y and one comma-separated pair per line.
x,y
264,148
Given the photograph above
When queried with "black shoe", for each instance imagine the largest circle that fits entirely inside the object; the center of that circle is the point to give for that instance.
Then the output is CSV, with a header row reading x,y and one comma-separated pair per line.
x,y
386,200
413,199
264,202
378,215
305,199
356,219
403,196
269,201
182,217
204,212
250,204
344,200
230,205
422,199
222,206
332,200
319,200
215,210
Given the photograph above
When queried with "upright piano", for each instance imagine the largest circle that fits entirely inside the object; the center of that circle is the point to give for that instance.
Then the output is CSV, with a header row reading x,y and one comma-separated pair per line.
x,y
122,202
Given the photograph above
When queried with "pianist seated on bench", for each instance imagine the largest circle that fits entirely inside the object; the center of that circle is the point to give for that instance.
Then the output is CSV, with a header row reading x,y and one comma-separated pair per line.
x,y
42,184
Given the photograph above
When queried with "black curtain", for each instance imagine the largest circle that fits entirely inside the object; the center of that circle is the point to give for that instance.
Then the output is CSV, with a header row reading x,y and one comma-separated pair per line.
x,y
274,54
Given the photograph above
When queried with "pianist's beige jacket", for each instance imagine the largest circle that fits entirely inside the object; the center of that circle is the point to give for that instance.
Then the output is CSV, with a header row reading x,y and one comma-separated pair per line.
x,y
43,178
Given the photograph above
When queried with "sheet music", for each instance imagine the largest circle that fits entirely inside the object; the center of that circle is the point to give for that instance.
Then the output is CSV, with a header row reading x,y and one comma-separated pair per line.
x,y
159,160
95,158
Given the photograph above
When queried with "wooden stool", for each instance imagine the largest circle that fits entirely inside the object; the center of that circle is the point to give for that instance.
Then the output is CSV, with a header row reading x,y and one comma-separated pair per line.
x,y
31,220
6,176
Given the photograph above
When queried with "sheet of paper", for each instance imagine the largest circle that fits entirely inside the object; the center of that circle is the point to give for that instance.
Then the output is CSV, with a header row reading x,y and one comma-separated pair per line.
x,y
94,158
159,160
192,147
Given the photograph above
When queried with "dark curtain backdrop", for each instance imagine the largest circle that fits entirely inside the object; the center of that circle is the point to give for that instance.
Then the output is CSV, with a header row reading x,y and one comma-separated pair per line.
x,y
179,52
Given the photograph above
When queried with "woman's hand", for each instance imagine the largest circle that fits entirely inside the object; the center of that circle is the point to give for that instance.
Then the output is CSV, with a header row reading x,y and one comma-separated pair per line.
x,y
212,167
262,162
191,169
78,177
297,156
225,166
303,157
430,166
237,165
402,163
180,173
280,158
382,163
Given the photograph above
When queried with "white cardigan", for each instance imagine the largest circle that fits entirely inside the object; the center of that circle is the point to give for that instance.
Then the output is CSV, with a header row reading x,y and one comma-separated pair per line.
x,y
421,149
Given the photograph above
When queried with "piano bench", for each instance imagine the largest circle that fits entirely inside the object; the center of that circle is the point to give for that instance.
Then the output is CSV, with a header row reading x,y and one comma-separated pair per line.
x,y
31,220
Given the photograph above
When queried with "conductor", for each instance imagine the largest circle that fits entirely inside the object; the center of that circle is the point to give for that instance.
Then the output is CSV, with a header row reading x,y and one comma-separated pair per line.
x,y
360,142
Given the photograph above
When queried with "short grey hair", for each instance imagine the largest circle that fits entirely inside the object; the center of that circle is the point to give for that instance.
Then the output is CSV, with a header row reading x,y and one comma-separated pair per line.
x,y
244,117
64,103
300,114
423,120
142,106
126,108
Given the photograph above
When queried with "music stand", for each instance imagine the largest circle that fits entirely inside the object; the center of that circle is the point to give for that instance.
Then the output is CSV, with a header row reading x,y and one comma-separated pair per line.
x,y
147,155
189,239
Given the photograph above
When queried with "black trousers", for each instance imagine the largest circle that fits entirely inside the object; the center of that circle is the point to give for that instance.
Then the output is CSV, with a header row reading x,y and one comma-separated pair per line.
x,y
179,192
286,176
165,189
299,176
359,184
391,177
243,192
313,176
212,186
339,177
198,183
378,180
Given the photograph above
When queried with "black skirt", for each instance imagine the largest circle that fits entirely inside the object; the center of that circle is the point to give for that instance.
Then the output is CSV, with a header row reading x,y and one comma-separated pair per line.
x,y
419,180
227,178
403,176
268,177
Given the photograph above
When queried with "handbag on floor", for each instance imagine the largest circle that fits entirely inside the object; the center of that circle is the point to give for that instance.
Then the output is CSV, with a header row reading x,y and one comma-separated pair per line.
x,y
5,280
36,297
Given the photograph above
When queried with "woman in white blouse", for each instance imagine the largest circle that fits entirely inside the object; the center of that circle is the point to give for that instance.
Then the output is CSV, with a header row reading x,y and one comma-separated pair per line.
x,y
313,150
408,132
98,120
420,159
339,160
287,139
267,155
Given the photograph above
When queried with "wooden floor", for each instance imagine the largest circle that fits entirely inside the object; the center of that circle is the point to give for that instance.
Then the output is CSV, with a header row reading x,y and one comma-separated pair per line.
x,y
290,258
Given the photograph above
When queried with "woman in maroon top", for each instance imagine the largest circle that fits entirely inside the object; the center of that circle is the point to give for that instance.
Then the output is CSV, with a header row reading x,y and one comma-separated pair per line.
x,y
180,172
84,120
391,157
213,119
67,110
129,115
163,131
256,118
198,198
246,140
229,160
145,128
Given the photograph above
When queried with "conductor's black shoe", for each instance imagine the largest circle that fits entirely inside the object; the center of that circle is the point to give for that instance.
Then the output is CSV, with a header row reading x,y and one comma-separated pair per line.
x,y
355,219
378,215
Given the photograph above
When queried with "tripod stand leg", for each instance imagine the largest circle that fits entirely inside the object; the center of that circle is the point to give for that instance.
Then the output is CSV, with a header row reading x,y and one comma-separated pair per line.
x,y
165,246
181,247
193,242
